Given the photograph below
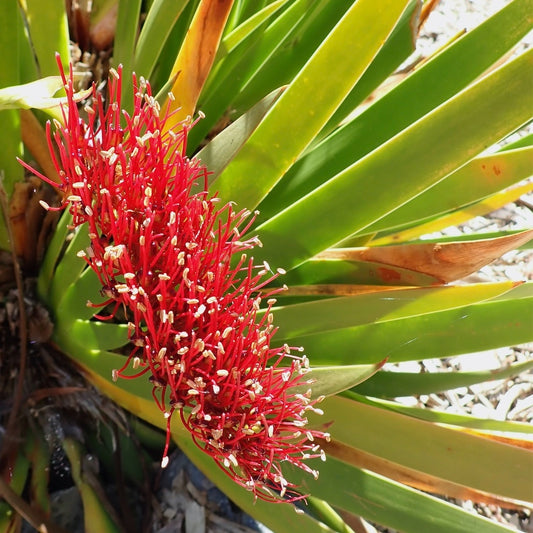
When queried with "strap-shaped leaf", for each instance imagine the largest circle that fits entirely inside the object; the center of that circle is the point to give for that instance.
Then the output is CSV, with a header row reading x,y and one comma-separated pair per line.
x,y
124,46
413,478
70,267
338,313
464,329
53,252
440,417
159,22
98,335
477,180
10,136
311,99
329,380
428,87
237,35
455,218
48,29
399,46
72,300
218,153
387,502
454,456
37,94
259,55
196,57
522,142
394,384
402,168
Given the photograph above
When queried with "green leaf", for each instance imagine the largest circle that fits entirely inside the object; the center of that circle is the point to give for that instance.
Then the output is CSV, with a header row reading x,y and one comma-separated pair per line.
x,y
250,24
71,301
324,512
135,395
37,94
474,237
25,55
392,384
53,252
292,50
386,502
48,28
10,135
167,57
70,268
522,142
450,419
158,25
10,171
97,335
457,457
220,151
243,10
424,90
328,380
454,218
124,46
460,329
423,154
229,75
368,309
399,46
475,181
307,105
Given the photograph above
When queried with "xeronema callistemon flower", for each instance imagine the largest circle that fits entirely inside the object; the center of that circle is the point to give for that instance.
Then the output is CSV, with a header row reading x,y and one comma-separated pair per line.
x,y
176,261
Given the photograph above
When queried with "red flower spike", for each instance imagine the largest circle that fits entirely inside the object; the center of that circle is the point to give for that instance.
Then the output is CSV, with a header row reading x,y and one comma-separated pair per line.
x,y
166,256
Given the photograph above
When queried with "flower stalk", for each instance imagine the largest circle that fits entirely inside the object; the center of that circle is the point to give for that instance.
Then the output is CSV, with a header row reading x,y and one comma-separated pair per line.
x,y
178,264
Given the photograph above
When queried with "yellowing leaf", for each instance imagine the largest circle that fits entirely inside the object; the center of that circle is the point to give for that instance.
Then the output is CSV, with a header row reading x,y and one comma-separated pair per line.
x,y
196,56
460,216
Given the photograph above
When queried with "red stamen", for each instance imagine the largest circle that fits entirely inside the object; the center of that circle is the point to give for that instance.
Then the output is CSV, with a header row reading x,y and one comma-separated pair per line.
x,y
176,262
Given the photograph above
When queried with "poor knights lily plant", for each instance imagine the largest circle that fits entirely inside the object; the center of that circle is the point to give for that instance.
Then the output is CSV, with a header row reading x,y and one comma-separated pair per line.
x,y
356,164
176,263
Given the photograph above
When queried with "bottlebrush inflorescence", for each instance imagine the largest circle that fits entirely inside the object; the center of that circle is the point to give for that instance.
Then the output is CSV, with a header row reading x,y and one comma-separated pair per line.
x,y
176,261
